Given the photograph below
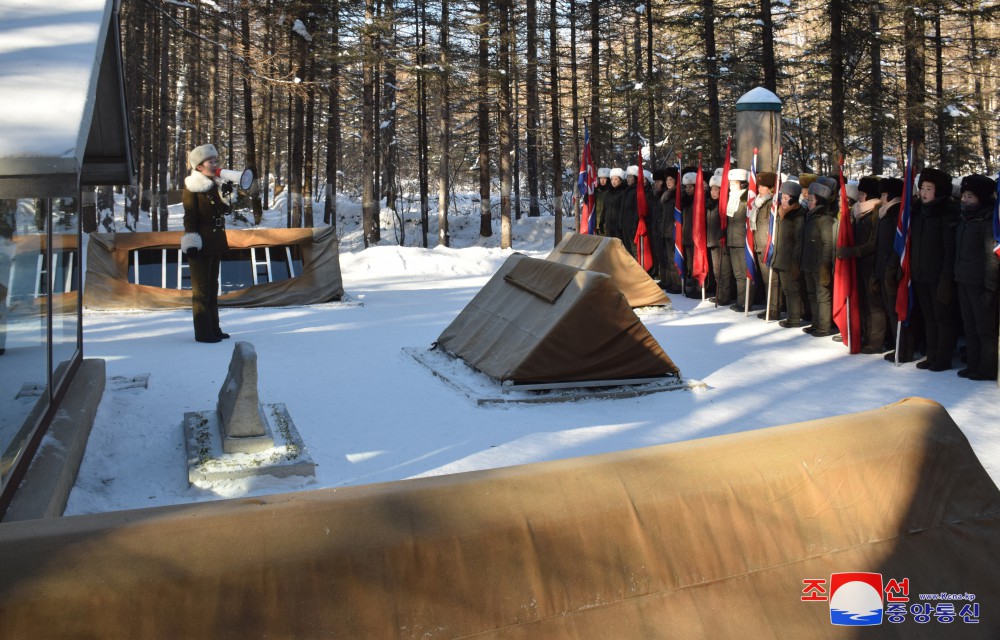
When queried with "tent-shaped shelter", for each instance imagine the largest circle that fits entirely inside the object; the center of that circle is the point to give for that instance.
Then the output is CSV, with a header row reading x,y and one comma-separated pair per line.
x,y
609,256
538,321
63,128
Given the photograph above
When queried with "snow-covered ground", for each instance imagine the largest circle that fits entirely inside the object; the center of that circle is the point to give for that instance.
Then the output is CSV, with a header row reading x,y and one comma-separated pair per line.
x,y
370,413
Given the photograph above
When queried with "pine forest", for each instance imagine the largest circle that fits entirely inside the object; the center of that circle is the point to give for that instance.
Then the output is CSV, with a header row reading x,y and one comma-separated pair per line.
x,y
403,104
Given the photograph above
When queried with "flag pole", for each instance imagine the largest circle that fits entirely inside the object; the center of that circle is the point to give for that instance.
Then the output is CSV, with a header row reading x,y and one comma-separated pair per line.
x,y
899,329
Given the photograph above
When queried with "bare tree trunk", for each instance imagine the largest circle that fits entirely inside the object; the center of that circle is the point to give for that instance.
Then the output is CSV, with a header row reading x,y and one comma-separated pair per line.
x,y
975,66
444,139
770,66
712,73
557,168
423,138
875,107
309,134
941,118
504,122
248,119
531,110
837,78
369,210
913,56
390,145
482,78
574,81
648,86
163,139
333,122
297,131
599,143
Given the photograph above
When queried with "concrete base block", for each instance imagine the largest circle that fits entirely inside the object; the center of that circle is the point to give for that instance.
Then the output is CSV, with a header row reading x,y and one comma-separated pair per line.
x,y
207,462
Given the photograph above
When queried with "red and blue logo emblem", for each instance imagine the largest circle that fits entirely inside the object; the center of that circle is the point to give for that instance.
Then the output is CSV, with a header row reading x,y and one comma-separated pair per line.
x,y
856,599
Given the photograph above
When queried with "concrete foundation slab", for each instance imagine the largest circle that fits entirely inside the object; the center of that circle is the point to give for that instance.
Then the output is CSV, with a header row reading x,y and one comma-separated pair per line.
x,y
207,462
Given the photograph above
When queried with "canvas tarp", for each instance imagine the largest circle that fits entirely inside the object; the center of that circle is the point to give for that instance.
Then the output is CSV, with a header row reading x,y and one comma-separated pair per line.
x,y
608,255
707,539
537,321
107,285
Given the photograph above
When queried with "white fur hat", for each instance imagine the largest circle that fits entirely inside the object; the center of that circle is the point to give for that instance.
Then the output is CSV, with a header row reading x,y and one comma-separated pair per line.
x,y
201,154
738,175
852,190
647,175
633,170
617,173
690,178
716,180
604,172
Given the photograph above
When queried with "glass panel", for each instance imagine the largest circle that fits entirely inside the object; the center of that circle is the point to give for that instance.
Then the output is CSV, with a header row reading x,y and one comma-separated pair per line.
x,y
23,324
65,276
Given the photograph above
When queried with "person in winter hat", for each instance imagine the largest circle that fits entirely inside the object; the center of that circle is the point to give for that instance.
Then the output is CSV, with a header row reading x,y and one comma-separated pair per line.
x,y
689,179
887,271
713,232
864,219
736,231
670,277
760,219
613,204
977,272
932,266
603,184
787,261
817,258
204,240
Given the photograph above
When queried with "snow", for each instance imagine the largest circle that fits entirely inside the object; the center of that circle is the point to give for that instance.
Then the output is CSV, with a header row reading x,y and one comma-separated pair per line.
x,y
759,95
49,52
299,27
370,413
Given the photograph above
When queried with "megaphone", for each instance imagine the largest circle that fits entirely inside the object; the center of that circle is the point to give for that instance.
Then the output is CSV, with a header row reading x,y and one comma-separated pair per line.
x,y
242,178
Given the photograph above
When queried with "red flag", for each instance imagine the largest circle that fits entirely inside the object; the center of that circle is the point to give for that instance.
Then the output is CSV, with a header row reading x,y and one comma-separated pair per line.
x,y
724,195
846,314
587,182
643,250
699,268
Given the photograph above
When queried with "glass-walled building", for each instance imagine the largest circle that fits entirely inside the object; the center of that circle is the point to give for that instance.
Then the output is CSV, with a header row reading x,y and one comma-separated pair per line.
x,y
63,128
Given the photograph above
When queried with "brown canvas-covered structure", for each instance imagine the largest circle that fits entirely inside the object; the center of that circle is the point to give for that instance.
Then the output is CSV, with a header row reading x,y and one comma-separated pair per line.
x,y
702,539
107,285
609,256
537,321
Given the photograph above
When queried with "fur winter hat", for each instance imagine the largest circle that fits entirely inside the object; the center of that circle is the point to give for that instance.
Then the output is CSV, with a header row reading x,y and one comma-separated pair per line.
x,y
738,175
832,183
716,180
201,154
820,190
633,170
659,175
853,192
670,172
891,187
982,187
940,180
647,175
617,173
767,179
690,178
792,188
869,186
806,179
604,172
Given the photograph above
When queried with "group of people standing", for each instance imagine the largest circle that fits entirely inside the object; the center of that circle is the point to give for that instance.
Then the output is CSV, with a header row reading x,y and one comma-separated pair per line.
x,y
952,265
